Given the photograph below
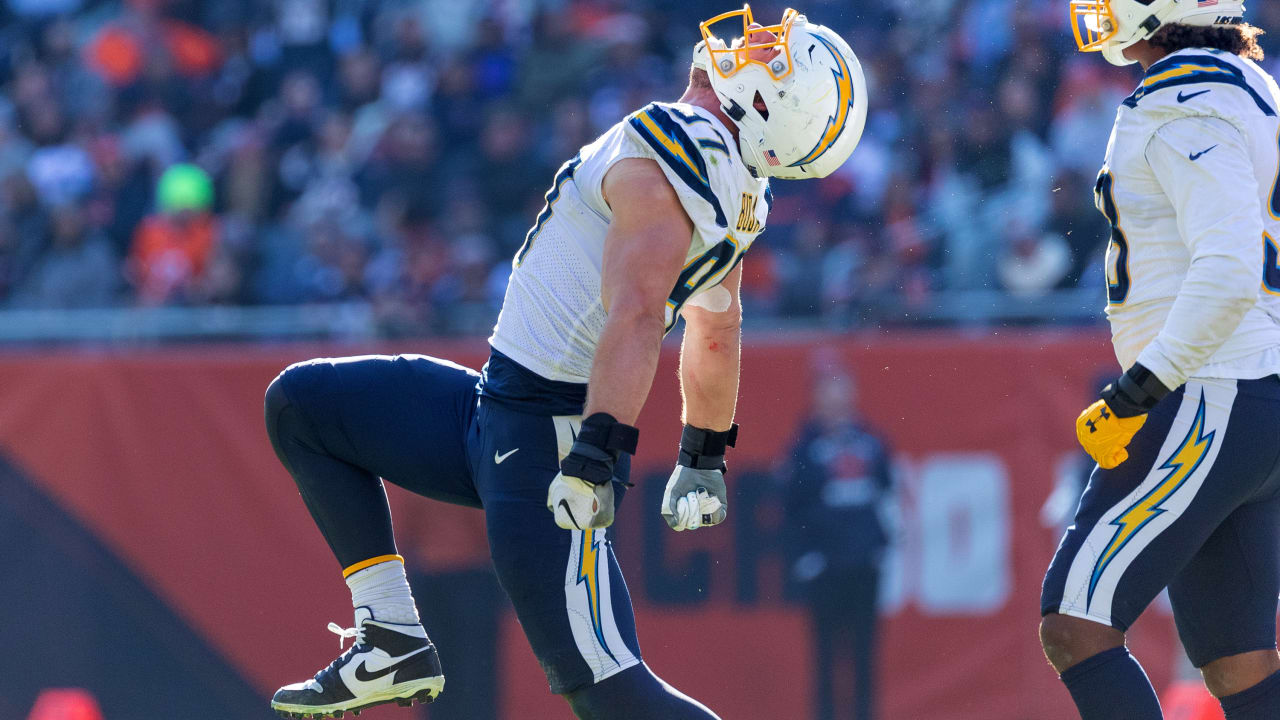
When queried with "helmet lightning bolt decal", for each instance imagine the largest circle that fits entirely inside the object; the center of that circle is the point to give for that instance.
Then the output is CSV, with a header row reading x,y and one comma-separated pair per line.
x,y
1181,465
589,575
844,105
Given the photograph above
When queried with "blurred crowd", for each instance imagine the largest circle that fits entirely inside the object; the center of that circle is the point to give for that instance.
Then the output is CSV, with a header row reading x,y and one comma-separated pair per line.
x,y
394,152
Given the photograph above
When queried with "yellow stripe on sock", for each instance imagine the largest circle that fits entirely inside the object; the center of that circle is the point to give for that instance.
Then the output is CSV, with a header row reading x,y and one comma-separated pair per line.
x,y
348,572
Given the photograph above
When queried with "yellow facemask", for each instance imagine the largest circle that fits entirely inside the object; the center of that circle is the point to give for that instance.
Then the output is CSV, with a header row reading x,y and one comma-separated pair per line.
x,y
738,53
1094,23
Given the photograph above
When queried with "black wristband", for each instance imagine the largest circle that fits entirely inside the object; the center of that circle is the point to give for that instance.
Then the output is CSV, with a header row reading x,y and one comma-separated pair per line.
x,y
595,450
1135,392
589,463
704,449
605,432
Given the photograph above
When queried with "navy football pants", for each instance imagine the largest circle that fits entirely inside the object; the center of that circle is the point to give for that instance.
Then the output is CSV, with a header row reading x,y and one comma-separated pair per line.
x,y
1196,508
340,425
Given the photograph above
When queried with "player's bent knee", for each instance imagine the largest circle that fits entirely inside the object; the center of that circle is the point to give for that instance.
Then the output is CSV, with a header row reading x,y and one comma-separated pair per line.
x,y
298,374
275,404
1236,673
275,400
1069,640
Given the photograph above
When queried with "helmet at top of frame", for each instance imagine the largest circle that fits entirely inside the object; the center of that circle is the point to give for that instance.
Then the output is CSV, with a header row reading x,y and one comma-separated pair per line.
x,y
1112,26
795,90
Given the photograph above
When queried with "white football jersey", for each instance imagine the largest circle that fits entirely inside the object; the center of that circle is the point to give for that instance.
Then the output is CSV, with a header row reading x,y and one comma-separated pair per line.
x,y
1190,188
552,315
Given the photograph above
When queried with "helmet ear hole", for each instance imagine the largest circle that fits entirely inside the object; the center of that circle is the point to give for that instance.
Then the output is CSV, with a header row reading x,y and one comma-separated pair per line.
x,y
760,106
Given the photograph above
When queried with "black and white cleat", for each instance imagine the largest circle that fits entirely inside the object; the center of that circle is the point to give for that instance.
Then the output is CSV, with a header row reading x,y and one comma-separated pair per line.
x,y
388,663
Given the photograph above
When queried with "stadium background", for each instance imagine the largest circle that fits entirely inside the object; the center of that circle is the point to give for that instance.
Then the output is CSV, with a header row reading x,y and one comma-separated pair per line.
x,y
354,175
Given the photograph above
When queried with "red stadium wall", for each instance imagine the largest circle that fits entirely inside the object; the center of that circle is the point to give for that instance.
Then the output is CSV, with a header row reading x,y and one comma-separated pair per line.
x,y
162,454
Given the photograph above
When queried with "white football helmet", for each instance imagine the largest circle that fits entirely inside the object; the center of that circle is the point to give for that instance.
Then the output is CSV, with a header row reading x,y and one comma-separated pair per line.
x,y
811,92
1111,26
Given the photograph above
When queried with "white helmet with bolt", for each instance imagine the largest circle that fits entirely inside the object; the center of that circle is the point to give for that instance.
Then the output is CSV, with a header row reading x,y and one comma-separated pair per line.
x,y
801,112
1112,26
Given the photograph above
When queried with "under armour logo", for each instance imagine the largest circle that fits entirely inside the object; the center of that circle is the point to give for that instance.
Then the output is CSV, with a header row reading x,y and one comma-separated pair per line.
x,y
1093,424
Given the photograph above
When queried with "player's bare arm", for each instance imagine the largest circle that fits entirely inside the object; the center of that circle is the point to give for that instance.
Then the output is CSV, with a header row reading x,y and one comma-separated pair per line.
x,y
643,254
710,356
709,369
644,251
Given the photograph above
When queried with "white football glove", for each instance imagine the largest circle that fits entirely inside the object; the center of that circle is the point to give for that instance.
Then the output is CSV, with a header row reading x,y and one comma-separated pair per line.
x,y
694,498
580,505
581,495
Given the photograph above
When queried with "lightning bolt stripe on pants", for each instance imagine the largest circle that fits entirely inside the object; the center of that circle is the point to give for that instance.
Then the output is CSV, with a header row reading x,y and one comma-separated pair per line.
x,y
1167,488
589,602
1181,465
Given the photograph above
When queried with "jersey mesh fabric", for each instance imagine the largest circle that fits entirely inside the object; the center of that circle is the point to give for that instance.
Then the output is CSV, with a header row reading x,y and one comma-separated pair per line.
x,y
552,315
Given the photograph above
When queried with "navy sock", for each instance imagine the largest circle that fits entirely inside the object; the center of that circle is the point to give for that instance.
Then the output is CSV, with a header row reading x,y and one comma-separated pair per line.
x,y
1112,686
1260,702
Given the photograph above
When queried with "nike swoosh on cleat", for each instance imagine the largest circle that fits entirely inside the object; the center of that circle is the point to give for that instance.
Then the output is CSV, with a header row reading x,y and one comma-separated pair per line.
x,y
1182,97
1196,156
497,459
365,676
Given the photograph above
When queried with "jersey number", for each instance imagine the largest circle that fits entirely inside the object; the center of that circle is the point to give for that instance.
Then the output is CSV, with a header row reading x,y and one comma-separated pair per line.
x,y
1270,264
1118,271
1270,252
711,266
747,222
1118,251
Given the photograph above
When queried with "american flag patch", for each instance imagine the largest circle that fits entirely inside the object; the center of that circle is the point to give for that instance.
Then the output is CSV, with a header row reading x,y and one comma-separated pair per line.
x,y
772,159
1206,3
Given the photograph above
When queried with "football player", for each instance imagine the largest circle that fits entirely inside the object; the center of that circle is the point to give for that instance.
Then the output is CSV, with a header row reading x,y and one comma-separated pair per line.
x,y
645,225
1186,494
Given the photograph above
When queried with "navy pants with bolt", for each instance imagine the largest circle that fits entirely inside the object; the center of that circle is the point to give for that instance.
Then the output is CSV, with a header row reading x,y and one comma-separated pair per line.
x,y
341,426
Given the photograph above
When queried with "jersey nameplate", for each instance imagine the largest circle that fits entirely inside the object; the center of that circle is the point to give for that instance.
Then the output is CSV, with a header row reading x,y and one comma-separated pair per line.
x,y
747,222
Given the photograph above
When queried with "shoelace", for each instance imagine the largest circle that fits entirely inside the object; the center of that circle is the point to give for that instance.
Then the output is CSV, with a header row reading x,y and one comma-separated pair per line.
x,y
344,633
